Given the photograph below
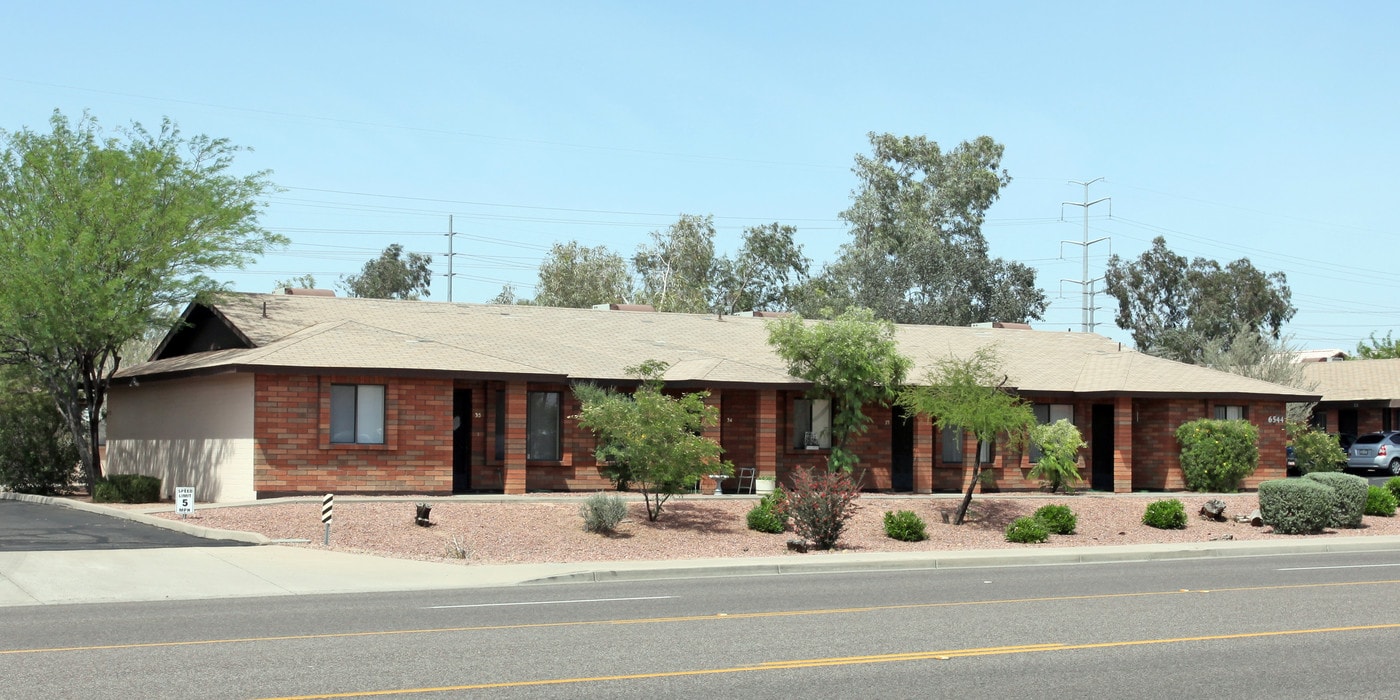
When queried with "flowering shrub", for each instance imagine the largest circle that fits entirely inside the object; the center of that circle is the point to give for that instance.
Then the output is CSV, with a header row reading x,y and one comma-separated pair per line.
x,y
1216,455
820,504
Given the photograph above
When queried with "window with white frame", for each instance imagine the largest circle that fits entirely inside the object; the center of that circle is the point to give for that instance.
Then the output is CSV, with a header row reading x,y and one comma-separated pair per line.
x,y
357,414
1231,413
1049,413
953,438
811,423
543,414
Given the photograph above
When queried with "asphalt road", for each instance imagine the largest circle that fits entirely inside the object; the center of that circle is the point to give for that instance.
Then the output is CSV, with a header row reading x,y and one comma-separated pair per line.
x,y
1282,626
34,527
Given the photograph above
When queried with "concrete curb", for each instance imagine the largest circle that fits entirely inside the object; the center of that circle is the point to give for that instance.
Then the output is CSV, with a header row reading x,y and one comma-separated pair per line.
x,y
207,533
905,561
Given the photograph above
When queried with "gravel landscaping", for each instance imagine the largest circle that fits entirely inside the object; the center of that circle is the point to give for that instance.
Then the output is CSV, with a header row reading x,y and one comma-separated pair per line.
x,y
507,531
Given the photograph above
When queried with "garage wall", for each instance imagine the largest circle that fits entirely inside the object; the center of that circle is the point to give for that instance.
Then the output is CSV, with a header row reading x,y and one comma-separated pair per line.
x,y
188,432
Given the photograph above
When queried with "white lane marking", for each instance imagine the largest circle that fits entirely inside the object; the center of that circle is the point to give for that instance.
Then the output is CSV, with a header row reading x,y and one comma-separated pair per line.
x,y
548,602
1348,566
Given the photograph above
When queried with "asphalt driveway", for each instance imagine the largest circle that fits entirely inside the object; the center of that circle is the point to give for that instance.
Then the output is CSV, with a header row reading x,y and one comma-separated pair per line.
x,y
37,527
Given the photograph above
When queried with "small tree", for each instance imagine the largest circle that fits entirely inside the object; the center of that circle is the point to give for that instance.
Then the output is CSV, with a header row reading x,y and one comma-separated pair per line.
x,y
1059,444
969,393
391,276
655,435
306,281
852,360
1378,348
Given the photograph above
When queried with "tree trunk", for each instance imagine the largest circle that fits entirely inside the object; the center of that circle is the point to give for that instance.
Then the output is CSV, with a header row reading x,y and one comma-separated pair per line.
x,y
976,476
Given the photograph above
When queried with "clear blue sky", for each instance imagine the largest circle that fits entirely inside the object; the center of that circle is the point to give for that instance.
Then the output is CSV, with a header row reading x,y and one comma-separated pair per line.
x,y
1264,130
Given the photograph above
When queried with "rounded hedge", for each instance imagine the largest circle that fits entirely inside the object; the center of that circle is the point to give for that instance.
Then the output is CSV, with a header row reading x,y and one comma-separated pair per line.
x,y
905,526
1296,506
1027,531
1349,503
1058,519
1165,515
1380,501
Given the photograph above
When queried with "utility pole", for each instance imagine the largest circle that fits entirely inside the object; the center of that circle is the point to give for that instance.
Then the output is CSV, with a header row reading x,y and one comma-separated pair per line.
x,y
1085,282
450,235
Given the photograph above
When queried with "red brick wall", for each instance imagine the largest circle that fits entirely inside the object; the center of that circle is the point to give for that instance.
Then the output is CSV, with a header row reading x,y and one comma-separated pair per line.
x,y
293,453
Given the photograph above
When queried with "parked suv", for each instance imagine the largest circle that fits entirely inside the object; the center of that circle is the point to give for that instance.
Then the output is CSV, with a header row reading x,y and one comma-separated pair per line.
x,y
1376,451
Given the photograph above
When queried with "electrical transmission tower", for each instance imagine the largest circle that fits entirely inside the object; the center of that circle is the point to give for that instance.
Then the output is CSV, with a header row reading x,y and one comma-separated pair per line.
x,y
1085,282
451,234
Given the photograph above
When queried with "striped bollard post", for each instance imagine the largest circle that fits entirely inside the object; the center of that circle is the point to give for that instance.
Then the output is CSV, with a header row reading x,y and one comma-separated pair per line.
x,y
326,504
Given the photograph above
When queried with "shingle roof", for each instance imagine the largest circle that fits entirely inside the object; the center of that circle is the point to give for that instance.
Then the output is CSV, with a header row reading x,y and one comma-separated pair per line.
x,y
1356,380
533,341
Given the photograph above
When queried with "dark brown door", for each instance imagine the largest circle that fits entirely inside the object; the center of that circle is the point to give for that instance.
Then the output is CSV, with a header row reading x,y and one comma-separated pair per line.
x,y
901,450
461,440
1101,475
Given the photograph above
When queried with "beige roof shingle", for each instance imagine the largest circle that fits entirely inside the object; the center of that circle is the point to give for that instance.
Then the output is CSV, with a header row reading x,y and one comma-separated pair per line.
x,y
1356,380
478,339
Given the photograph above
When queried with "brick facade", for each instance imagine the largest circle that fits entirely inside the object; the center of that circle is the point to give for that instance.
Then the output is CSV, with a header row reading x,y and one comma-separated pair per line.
x,y
294,453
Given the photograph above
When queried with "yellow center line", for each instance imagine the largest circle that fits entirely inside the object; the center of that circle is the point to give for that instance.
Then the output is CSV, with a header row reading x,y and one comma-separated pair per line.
x,y
838,661
687,618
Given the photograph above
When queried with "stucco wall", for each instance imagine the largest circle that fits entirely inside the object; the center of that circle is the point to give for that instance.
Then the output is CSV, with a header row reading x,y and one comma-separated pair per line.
x,y
193,432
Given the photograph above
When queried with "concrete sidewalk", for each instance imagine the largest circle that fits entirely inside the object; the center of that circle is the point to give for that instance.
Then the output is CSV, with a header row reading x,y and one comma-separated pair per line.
x,y
59,577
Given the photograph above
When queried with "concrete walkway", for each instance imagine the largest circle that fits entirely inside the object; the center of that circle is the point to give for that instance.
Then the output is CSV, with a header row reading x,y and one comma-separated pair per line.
x,y
58,577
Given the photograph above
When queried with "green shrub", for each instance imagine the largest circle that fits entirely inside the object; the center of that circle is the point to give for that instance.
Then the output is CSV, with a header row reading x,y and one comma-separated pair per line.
x,y
1027,531
1165,515
106,492
1349,503
1216,455
1393,485
820,505
905,526
602,512
1316,451
767,516
1295,506
127,488
36,450
1059,444
1059,520
1380,501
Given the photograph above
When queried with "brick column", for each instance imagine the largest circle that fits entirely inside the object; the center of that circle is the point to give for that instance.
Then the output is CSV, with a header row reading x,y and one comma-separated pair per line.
x,y
715,399
1123,445
923,454
767,433
514,468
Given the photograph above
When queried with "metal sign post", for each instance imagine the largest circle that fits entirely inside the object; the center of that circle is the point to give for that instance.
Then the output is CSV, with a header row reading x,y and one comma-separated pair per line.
x,y
326,504
184,500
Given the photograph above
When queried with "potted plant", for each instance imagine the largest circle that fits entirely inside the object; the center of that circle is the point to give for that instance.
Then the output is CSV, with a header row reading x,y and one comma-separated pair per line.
x,y
763,485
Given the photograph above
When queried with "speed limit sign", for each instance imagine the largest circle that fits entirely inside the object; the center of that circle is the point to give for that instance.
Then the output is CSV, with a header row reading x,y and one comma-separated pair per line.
x,y
184,500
